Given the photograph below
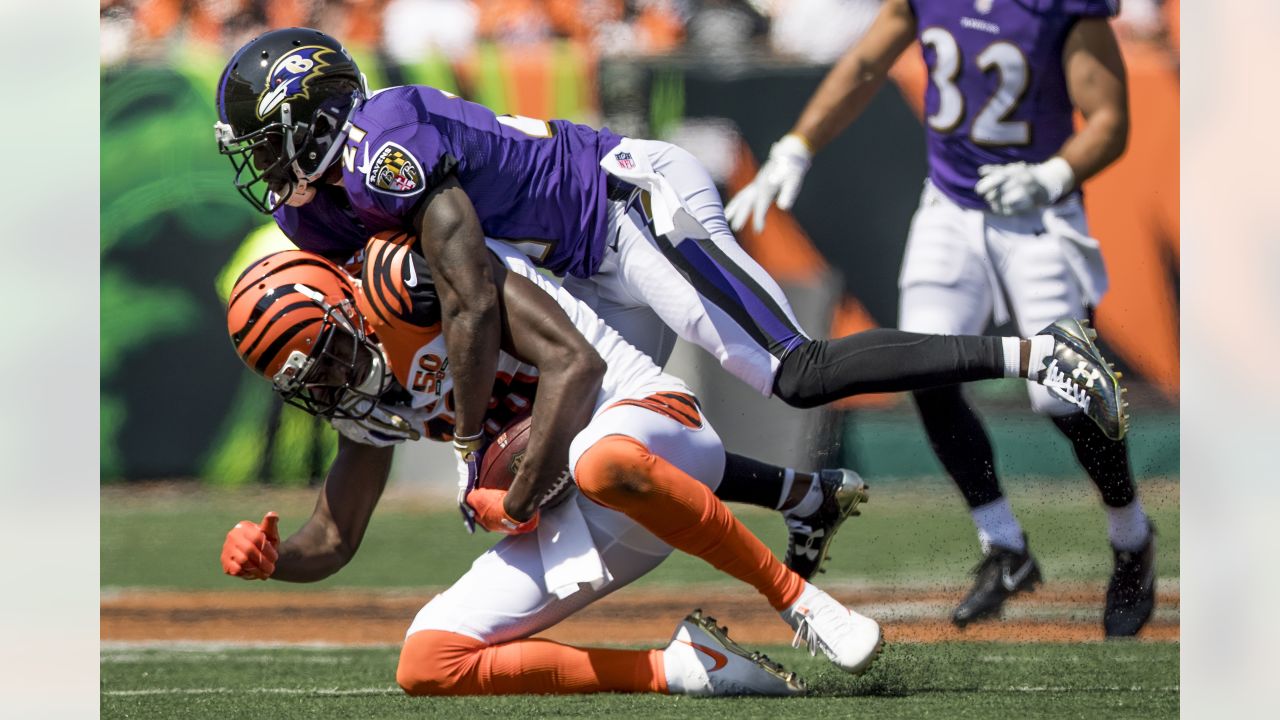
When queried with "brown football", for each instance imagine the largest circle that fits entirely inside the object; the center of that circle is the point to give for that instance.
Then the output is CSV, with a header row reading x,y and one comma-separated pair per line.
x,y
503,456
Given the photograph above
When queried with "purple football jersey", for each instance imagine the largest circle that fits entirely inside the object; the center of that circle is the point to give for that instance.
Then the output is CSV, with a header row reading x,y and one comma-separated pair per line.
x,y
532,181
997,93
327,225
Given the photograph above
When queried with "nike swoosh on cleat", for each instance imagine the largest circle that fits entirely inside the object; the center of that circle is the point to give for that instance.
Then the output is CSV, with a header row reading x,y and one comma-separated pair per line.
x,y
718,657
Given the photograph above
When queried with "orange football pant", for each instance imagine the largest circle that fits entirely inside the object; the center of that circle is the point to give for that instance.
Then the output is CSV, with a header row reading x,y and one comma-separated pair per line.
x,y
620,473
434,662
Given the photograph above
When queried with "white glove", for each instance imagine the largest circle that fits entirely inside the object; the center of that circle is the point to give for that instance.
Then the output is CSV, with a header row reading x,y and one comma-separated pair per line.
x,y
1018,187
381,428
780,178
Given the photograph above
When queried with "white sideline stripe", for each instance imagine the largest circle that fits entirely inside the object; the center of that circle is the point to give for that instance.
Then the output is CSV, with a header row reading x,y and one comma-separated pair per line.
x,y
127,657
397,691
256,691
180,646
1064,689
1073,659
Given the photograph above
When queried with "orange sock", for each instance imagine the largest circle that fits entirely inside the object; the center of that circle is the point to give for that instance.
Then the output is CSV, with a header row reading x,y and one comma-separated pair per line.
x,y
622,474
434,662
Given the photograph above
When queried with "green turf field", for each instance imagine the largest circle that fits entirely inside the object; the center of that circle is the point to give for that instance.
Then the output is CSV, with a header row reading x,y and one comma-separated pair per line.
x,y
911,532
951,680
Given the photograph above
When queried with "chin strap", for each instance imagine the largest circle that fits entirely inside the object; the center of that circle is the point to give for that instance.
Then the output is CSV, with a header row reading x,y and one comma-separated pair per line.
x,y
302,194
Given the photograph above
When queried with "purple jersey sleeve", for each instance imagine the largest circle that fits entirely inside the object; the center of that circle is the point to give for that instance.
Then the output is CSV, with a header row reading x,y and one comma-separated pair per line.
x,y
397,168
536,184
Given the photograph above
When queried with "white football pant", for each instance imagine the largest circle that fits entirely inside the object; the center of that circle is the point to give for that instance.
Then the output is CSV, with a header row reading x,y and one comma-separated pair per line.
x,y
709,292
504,596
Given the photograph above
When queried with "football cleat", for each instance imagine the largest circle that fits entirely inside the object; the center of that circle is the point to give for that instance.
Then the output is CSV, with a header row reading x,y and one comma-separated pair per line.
x,y
702,660
1079,375
1002,574
809,536
1131,594
849,640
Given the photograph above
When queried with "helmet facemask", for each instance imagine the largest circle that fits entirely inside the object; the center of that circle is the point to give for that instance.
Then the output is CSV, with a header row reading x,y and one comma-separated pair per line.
x,y
273,160
345,372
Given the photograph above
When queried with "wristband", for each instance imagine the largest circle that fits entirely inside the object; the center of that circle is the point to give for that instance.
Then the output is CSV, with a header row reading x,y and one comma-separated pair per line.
x,y
1057,177
796,145
467,444
516,527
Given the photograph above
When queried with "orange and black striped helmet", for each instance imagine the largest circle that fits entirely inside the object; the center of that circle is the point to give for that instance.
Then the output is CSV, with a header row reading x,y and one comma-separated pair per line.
x,y
292,317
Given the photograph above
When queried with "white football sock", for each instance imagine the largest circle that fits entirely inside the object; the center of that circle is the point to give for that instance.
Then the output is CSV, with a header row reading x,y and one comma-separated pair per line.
x,y
1127,527
997,526
811,501
1012,356
1041,353
788,478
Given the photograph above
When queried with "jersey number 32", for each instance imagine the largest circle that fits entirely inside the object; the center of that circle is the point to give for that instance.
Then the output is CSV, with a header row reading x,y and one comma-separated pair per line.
x,y
990,126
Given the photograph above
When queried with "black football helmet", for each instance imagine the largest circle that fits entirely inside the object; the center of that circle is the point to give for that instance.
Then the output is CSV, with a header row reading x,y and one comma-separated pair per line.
x,y
284,102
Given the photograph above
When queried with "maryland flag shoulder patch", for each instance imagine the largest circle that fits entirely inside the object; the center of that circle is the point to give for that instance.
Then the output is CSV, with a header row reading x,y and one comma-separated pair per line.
x,y
394,171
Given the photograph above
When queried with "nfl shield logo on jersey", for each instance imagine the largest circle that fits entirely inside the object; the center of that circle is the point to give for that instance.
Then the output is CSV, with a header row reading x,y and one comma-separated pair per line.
x,y
983,6
624,160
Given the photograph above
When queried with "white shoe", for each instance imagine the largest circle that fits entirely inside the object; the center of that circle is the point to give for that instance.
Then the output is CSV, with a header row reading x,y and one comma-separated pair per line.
x,y
702,660
850,640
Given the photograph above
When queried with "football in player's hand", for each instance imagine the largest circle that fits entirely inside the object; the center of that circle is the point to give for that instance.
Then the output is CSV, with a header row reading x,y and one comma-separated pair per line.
x,y
502,457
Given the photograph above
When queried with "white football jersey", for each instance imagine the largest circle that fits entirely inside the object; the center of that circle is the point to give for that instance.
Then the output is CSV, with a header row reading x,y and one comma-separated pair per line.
x,y
404,315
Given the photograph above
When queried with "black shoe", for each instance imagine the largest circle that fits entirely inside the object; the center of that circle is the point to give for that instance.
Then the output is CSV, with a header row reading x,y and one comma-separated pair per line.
x,y
1001,574
810,536
1079,375
1131,594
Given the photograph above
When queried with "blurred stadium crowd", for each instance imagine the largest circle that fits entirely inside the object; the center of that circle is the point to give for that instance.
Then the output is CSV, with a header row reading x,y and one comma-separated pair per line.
x,y
645,68
407,30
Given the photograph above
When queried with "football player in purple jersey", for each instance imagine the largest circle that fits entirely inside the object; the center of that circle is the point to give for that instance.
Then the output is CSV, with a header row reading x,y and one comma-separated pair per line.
x,y
636,227
1000,232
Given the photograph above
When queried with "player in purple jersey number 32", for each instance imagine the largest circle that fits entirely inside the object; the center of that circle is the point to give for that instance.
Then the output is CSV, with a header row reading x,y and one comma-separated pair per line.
x,y
1000,232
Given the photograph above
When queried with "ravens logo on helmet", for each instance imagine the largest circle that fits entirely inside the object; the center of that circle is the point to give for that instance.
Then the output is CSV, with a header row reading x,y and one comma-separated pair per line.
x,y
284,100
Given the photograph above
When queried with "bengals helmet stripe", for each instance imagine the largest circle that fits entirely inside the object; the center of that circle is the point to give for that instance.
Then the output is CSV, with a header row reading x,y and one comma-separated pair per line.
x,y
282,341
268,317
293,318
257,313
305,259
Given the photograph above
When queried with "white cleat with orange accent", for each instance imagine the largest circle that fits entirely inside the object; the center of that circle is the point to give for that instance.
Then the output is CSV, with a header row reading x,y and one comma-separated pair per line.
x,y
702,660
